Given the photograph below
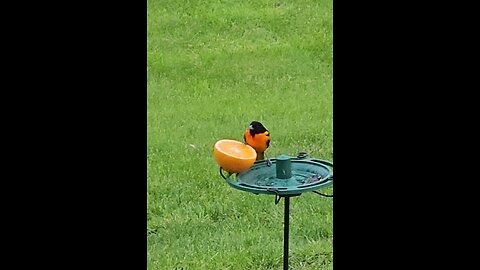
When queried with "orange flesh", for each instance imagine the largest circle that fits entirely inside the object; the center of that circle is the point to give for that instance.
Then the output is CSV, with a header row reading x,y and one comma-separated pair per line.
x,y
235,149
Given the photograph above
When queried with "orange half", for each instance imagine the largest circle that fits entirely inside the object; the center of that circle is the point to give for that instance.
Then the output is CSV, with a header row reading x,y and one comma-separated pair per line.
x,y
234,156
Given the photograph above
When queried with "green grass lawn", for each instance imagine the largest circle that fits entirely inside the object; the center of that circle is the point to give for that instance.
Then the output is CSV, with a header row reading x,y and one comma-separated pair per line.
x,y
212,68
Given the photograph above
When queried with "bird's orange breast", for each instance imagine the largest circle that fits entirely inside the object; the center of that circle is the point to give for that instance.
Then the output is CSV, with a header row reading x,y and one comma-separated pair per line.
x,y
259,142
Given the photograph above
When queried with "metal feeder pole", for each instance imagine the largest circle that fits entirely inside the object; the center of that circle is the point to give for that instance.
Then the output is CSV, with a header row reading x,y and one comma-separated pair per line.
x,y
286,232
284,171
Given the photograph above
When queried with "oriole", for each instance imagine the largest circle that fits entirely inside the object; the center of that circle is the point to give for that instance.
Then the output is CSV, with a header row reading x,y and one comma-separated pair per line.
x,y
258,137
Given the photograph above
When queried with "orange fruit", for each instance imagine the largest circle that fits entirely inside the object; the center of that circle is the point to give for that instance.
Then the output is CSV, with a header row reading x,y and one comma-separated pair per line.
x,y
234,156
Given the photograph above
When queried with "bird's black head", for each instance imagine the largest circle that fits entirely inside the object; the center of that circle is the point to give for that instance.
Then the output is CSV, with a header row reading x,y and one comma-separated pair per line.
x,y
256,128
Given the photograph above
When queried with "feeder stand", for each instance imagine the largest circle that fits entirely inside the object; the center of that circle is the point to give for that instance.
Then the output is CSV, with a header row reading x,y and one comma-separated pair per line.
x,y
284,177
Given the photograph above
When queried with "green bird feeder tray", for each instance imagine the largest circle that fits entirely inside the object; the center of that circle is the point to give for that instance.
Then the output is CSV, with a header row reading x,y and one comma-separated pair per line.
x,y
284,177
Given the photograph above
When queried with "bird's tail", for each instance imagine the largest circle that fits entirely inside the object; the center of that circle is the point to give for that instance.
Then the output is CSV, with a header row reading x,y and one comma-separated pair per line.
x,y
261,156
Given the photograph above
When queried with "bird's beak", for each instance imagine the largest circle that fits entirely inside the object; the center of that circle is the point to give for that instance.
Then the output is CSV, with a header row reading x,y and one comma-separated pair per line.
x,y
250,127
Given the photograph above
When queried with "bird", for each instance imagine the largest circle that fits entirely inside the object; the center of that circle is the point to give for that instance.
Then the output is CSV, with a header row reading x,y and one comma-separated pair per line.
x,y
258,137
